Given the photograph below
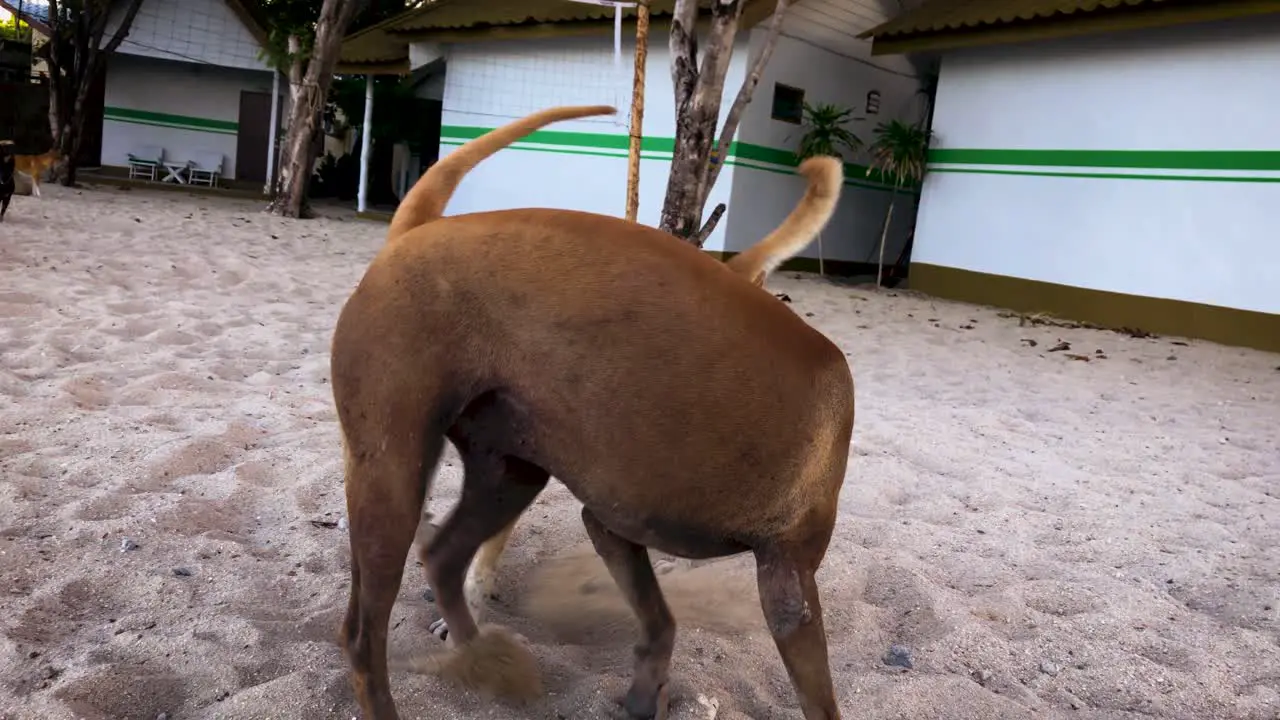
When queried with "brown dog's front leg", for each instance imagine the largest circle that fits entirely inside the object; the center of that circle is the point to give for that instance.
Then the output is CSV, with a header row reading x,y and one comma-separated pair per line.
x,y
789,598
629,565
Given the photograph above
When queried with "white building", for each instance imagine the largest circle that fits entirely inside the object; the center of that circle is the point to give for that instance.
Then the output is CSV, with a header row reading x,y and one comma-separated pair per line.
x,y
488,68
1119,165
189,79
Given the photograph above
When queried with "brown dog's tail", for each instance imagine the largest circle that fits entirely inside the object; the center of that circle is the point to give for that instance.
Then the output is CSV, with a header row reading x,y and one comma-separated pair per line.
x,y
826,177
426,201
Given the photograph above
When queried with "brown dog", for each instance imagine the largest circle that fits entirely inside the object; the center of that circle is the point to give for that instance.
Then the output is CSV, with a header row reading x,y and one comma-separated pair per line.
x,y
35,166
686,409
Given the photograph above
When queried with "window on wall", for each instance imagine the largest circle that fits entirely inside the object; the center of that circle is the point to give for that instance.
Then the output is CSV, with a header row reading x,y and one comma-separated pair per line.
x,y
788,104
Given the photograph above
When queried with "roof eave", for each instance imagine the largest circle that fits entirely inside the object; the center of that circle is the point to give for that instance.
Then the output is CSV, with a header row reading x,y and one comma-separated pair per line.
x,y
29,20
754,13
379,67
1074,25
250,15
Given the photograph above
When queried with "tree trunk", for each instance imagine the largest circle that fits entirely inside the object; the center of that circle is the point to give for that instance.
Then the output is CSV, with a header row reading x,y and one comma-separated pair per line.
x,y
698,95
884,236
697,99
79,31
308,95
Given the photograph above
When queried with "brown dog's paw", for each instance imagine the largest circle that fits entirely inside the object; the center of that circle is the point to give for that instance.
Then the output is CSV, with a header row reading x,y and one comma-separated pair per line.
x,y
494,663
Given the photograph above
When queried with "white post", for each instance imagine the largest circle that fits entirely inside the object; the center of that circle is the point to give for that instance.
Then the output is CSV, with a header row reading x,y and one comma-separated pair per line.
x,y
271,133
366,139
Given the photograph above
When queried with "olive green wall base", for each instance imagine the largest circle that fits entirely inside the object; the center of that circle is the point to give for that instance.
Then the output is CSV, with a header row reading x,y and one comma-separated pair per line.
x,y
842,268
1107,309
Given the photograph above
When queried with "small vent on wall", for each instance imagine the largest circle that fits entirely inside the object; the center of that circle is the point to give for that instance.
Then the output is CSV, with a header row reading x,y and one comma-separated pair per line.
x,y
873,102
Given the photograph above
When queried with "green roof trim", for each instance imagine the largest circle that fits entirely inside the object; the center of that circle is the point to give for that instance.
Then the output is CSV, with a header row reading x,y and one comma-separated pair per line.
x,y
941,25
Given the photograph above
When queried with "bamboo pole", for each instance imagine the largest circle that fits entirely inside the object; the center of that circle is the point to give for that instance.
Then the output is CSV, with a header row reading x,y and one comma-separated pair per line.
x,y
637,110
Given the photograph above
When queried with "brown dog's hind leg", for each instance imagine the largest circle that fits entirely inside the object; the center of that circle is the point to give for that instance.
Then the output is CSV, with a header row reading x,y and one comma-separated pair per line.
x,y
631,569
495,490
789,598
385,492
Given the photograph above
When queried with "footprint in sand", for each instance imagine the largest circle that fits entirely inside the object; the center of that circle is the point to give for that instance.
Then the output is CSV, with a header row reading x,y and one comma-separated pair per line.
x,y
50,621
201,456
20,298
118,690
105,507
135,328
89,392
913,618
1060,599
130,307
174,337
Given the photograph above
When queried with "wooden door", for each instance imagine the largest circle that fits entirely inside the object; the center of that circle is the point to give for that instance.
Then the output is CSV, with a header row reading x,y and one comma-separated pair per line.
x,y
254,136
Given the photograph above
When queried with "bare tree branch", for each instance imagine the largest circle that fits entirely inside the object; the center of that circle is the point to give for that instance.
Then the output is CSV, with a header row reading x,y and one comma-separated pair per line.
x,y
710,226
743,99
122,31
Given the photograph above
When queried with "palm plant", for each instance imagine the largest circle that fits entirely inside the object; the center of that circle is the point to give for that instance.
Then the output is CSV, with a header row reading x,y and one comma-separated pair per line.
x,y
825,134
899,152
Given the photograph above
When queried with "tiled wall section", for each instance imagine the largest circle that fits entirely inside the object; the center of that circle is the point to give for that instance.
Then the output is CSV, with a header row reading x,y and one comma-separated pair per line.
x,y
202,31
514,79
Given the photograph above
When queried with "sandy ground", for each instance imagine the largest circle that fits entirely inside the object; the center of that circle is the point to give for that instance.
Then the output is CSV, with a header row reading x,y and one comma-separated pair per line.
x,y
1043,536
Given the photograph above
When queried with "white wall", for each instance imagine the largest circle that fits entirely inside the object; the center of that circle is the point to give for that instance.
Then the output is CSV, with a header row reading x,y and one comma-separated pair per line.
x,y
763,193
185,93
489,84
1203,87
205,31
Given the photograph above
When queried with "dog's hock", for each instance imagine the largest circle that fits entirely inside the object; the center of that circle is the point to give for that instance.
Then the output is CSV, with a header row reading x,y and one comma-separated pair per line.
x,y
782,597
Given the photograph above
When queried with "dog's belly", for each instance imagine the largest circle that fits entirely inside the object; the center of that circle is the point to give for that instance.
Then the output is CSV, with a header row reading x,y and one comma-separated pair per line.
x,y
681,539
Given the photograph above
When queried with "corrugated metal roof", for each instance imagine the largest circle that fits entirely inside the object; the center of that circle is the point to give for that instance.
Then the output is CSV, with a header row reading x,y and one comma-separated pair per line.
x,y
388,41
943,15
373,45
466,14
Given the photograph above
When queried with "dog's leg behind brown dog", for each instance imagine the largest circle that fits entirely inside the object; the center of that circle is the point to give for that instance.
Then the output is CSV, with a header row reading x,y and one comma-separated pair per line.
x,y
632,571
496,489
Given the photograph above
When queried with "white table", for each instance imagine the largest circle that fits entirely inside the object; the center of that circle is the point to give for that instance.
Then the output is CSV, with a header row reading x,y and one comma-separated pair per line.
x,y
175,172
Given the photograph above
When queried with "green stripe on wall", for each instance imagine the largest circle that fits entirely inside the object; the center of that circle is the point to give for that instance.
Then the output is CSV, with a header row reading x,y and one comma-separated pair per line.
x,y
659,148
1111,176
1223,160
184,122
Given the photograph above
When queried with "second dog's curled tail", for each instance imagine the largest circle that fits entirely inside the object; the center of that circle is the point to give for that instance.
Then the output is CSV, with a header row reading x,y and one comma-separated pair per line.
x,y
826,176
426,201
